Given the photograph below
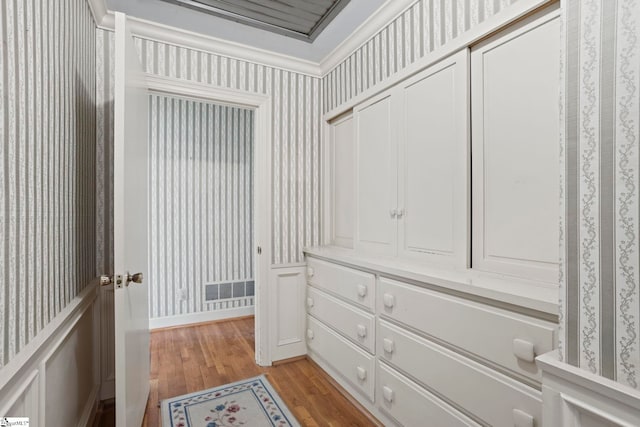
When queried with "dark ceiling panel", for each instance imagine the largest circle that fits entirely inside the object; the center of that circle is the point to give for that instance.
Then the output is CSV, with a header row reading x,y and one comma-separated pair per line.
x,y
301,19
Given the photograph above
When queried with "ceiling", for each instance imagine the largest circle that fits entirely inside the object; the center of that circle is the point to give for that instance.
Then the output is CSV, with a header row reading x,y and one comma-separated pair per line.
x,y
301,19
349,15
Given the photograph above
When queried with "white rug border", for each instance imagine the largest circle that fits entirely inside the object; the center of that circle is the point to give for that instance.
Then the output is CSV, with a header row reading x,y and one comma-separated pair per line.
x,y
164,404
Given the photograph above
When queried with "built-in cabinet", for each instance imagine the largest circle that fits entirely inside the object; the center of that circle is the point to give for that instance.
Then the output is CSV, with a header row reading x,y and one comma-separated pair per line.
x,y
411,351
444,203
411,180
458,165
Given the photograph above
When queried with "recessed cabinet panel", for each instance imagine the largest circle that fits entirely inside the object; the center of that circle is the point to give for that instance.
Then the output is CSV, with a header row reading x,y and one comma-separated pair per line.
x,y
343,182
515,151
433,184
376,182
429,162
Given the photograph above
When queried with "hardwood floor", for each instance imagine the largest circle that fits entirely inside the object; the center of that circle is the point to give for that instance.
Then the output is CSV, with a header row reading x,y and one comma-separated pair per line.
x,y
185,360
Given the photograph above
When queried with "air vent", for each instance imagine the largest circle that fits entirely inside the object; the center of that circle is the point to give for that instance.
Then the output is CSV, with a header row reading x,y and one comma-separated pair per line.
x,y
229,290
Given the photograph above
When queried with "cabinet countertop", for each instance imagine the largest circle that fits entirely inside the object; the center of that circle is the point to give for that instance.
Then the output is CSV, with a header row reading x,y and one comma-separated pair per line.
x,y
531,295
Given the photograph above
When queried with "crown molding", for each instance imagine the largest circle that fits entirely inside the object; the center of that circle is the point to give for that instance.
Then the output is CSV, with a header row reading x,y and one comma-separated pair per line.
x,y
166,34
142,28
98,10
385,14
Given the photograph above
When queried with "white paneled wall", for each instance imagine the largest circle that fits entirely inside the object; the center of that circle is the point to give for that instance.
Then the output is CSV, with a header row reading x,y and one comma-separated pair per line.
x,y
47,164
422,28
201,200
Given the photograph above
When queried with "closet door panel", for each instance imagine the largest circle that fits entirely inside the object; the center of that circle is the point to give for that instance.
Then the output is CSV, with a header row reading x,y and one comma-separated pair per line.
x,y
343,182
515,151
433,163
376,177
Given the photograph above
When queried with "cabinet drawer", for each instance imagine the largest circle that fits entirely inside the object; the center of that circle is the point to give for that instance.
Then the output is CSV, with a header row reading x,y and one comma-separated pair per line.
x,y
355,286
487,394
353,323
354,364
502,337
411,405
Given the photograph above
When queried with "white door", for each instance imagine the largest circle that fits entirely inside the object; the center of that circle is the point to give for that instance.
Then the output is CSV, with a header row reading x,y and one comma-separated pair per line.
x,y
376,177
131,303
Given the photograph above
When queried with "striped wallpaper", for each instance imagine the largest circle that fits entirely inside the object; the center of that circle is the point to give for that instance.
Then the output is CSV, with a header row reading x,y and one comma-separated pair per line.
x,y
47,163
296,109
422,28
600,142
201,200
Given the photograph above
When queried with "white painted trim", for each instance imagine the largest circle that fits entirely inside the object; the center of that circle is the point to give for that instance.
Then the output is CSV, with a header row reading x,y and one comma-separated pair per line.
x,y
550,364
90,408
570,393
261,104
494,23
154,31
205,316
98,10
383,16
19,392
60,326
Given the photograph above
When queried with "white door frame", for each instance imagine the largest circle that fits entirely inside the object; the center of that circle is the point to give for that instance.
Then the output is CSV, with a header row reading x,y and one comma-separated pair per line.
x,y
261,105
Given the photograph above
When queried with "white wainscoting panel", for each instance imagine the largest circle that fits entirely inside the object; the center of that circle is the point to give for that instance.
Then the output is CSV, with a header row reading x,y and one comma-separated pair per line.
x,y
342,183
514,81
577,397
287,317
25,401
56,380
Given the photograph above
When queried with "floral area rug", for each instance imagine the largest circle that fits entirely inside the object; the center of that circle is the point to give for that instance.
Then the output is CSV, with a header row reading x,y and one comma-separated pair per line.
x,y
251,403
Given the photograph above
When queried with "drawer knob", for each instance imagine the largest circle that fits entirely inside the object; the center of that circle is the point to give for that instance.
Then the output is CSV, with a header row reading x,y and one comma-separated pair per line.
x,y
388,394
388,345
310,334
362,373
310,272
388,300
522,419
309,302
362,331
524,350
362,291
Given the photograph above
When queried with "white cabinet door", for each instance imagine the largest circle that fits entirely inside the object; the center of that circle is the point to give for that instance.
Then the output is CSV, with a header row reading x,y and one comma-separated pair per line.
x,y
515,150
343,170
376,183
433,178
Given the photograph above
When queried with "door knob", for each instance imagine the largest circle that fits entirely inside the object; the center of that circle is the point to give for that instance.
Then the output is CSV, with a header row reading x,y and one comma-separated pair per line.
x,y
135,278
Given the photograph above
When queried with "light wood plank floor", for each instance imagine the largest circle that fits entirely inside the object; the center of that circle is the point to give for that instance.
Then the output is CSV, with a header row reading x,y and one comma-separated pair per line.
x,y
194,358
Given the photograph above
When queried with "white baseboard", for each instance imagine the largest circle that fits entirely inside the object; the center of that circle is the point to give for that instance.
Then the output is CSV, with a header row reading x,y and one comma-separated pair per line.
x,y
206,316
